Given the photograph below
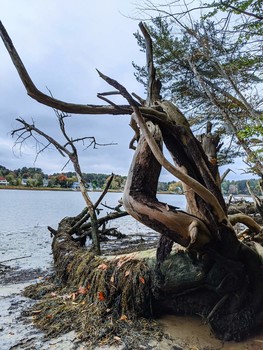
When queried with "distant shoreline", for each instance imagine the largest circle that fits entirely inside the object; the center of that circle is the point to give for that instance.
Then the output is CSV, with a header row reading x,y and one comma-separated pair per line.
x,y
24,188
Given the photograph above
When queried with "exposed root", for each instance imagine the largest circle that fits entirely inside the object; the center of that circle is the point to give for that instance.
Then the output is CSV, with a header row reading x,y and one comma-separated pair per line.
x,y
101,299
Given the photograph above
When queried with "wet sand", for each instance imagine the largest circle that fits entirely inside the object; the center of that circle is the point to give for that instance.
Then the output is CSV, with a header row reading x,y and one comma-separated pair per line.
x,y
192,333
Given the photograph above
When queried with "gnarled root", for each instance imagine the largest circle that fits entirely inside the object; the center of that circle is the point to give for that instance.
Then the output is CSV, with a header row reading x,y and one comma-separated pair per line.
x,y
139,199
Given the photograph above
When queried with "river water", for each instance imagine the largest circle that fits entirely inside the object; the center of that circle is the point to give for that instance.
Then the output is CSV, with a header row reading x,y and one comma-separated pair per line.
x,y
25,215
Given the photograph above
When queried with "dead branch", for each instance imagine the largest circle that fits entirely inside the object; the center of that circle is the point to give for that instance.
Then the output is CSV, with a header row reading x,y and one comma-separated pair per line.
x,y
84,215
111,216
246,220
73,108
21,257
154,85
257,200
72,154
224,175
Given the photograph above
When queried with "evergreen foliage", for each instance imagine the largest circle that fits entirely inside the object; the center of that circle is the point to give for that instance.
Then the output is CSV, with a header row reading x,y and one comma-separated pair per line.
x,y
212,70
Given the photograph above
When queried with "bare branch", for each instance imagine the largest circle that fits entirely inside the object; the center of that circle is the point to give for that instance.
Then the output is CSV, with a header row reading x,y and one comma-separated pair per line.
x,y
154,85
239,10
224,175
141,100
107,100
246,220
109,93
73,108
84,215
28,128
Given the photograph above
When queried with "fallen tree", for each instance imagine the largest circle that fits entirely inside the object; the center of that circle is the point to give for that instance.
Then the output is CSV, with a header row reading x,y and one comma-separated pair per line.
x,y
225,285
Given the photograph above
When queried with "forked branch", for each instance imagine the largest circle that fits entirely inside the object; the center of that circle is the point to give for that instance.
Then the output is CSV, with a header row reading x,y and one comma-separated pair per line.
x,y
73,108
199,189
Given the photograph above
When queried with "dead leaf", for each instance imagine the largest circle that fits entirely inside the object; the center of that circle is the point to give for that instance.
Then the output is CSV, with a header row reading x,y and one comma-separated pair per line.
x,y
67,296
36,311
82,290
117,338
49,316
112,279
142,280
127,273
103,267
123,318
125,259
101,296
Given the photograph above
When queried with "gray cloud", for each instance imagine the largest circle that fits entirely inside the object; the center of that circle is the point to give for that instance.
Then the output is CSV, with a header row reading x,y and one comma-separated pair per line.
x,y
61,43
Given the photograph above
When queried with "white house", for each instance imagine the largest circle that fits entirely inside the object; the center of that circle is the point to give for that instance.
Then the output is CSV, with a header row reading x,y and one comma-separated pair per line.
x,y
24,182
3,181
45,182
75,185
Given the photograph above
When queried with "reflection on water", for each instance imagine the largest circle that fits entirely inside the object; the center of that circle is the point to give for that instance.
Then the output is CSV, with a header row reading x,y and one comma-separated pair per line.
x,y
25,215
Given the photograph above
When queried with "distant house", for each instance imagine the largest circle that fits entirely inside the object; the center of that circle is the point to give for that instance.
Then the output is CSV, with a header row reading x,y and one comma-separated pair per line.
x,y
75,185
45,182
89,186
24,182
3,181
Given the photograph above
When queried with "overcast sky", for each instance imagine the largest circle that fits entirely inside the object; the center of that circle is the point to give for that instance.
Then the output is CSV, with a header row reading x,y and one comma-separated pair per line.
x,y
61,44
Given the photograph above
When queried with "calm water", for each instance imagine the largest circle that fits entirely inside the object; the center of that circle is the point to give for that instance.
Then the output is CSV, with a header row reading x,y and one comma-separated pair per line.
x,y
25,215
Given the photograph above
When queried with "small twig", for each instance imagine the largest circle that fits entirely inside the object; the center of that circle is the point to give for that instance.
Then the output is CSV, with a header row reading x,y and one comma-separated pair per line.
x,y
22,257
109,93
52,231
225,173
108,183
140,99
117,208
107,100
217,306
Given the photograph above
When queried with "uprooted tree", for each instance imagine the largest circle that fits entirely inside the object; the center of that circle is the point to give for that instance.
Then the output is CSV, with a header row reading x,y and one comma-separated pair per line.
x,y
214,273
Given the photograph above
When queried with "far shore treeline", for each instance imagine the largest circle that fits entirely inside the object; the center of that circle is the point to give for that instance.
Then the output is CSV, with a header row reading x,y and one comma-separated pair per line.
x,y
35,178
